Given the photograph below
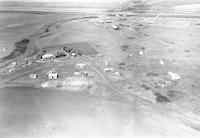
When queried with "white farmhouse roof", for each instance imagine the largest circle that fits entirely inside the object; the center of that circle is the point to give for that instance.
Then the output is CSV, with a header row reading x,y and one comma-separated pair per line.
x,y
33,76
52,75
48,55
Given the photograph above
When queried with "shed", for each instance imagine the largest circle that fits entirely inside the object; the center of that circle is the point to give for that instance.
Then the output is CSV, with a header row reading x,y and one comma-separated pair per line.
x,y
48,56
53,75
77,74
115,27
80,65
33,76
13,64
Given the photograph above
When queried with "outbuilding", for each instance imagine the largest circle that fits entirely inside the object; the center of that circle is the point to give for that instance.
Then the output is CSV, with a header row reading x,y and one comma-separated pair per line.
x,y
13,64
33,76
115,27
48,56
77,74
80,65
52,75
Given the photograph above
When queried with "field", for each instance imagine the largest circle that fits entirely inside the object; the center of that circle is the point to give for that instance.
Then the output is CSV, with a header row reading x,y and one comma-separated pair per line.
x,y
137,75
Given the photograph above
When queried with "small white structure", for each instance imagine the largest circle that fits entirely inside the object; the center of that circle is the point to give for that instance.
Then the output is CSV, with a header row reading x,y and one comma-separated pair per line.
x,y
115,27
108,70
77,74
108,21
33,76
80,65
106,63
130,55
52,75
13,64
174,76
73,54
48,56
81,74
11,70
141,53
118,73
162,62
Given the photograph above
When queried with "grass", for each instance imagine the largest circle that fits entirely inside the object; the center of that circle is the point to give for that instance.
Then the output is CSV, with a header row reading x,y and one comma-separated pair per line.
x,y
20,48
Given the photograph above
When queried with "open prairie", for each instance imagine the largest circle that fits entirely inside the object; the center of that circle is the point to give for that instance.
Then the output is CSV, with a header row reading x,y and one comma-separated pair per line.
x,y
99,74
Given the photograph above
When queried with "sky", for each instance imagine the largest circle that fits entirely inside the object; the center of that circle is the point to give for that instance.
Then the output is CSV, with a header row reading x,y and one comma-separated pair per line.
x,y
78,1
151,2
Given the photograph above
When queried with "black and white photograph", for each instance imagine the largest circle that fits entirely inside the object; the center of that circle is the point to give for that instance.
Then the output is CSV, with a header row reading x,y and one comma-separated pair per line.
x,y
99,68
